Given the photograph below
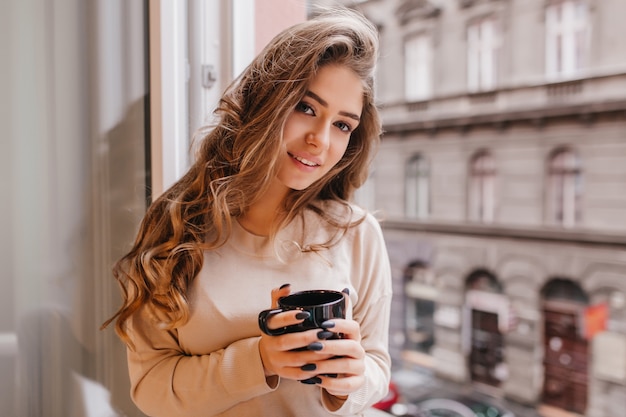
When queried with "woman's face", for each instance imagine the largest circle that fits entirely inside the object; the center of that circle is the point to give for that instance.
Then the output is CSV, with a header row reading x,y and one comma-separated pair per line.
x,y
318,130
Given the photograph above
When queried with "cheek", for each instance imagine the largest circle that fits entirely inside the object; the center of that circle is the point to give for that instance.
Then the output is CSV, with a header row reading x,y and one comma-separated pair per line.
x,y
338,149
293,124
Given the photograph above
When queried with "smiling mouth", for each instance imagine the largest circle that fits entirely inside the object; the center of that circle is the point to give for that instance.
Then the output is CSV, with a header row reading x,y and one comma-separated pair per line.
x,y
304,161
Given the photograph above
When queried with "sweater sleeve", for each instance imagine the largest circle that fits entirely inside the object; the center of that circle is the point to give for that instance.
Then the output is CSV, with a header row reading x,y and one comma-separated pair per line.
x,y
372,311
167,382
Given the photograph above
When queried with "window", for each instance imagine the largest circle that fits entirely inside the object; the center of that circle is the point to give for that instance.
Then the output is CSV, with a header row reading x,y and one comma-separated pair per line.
x,y
564,188
483,42
421,296
418,68
417,183
482,187
617,312
615,301
567,31
486,318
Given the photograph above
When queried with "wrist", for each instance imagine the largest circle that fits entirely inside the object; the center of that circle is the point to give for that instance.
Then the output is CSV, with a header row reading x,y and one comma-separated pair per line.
x,y
333,402
267,372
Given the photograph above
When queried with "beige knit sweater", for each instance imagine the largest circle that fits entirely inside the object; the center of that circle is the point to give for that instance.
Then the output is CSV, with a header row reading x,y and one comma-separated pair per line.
x,y
211,366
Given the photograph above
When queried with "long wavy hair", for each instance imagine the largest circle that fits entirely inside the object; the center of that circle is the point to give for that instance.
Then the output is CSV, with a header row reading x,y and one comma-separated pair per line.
x,y
237,158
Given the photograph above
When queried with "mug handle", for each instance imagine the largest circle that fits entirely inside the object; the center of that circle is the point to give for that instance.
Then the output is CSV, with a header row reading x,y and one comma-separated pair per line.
x,y
264,316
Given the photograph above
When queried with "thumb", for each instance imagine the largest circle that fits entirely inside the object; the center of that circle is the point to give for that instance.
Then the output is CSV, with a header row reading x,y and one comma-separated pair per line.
x,y
278,293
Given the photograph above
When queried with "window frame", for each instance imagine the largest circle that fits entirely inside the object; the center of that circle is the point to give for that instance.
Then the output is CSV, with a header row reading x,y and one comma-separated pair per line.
x,y
418,61
482,187
417,187
483,53
567,35
420,294
565,188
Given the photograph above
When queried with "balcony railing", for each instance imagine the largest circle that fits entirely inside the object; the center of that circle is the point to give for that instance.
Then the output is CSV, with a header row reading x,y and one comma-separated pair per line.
x,y
536,234
543,100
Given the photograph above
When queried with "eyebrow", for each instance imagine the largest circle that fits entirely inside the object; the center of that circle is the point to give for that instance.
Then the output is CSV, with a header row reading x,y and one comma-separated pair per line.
x,y
325,104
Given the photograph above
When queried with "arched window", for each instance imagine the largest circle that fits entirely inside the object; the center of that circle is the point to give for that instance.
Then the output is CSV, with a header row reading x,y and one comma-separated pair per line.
x,y
486,318
564,188
562,289
483,280
482,178
417,191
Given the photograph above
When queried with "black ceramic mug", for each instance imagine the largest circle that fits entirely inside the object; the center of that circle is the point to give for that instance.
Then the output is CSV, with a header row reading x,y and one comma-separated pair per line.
x,y
322,305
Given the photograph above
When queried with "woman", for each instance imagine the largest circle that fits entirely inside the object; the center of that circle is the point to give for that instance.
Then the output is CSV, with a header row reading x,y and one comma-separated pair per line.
x,y
267,202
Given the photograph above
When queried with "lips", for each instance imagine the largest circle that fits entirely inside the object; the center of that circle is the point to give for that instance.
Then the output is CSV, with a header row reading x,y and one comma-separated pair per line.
x,y
304,161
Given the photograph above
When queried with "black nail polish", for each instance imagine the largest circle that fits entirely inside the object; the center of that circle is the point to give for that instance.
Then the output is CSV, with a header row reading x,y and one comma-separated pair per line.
x,y
346,291
323,335
315,346
309,367
328,324
311,381
284,286
303,315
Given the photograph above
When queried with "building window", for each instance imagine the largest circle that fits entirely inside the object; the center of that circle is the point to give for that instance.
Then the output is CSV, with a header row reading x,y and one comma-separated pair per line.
x,y
421,296
417,68
564,188
567,32
617,312
483,43
615,302
486,319
417,183
482,178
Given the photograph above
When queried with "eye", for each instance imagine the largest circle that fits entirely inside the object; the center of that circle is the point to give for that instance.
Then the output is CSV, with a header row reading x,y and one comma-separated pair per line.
x,y
302,107
344,127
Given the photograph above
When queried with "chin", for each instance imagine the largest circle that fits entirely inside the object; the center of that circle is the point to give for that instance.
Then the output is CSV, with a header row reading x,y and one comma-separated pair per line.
x,y
299,187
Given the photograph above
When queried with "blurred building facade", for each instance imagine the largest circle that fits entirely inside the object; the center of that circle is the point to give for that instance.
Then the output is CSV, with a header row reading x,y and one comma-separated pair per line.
x,y
501,180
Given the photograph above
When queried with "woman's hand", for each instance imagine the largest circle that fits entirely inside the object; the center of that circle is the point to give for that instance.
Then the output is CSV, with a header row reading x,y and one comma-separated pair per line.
x,y
343,372
279,354
337,365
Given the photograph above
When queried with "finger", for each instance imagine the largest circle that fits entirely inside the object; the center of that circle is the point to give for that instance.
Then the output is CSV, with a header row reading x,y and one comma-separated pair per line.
x,y
288,351
287,318
304,373
278,293
281,358
342,366
342,347
289,341
349,329
342,385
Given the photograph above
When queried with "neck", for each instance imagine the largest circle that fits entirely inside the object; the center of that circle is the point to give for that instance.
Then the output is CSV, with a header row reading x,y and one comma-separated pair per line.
x,y
264,213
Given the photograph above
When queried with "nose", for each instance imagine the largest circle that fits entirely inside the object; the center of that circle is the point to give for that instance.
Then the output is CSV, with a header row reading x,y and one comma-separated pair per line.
x,y
318,138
